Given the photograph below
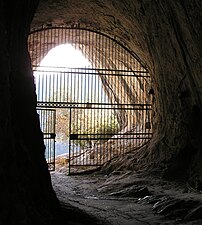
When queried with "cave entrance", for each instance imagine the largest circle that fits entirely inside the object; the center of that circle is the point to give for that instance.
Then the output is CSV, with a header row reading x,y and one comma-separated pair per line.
x,y
104,108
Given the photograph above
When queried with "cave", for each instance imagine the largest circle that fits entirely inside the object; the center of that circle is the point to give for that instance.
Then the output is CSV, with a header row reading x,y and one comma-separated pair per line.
x,y
166,38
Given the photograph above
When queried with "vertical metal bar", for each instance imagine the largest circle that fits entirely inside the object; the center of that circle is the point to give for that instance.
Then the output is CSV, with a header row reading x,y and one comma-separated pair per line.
x,y
51,38
36,74
79,127
72,40
70,121
44,46
51,97
39,56
54,120
58,90
41,86
58,87
53,87
93,114
46,88
61,87
62,36
65,87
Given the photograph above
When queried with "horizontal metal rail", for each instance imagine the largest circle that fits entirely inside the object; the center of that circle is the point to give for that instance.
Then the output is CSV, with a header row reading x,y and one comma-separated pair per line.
x,y
93,71
122,138
94,106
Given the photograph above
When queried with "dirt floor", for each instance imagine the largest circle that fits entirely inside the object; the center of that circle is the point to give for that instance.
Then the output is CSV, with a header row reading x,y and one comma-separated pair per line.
x,y
126,198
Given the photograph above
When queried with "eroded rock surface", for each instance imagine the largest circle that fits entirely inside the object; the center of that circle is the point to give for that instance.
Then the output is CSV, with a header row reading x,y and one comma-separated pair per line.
x,y
129,198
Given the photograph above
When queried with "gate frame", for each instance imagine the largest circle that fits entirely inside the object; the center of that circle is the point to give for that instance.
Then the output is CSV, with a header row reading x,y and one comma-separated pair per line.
x,y
48,105
50,136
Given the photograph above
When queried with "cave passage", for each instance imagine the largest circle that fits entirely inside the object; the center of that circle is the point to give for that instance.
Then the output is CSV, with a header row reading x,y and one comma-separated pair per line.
x,y
94,97
158,183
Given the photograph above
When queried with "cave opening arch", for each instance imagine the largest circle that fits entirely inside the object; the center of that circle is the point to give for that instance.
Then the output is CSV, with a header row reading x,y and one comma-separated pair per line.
x,y
117,98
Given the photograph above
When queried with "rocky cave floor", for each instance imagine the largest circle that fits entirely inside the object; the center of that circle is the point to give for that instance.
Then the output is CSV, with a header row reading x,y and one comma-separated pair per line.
x,y
126,198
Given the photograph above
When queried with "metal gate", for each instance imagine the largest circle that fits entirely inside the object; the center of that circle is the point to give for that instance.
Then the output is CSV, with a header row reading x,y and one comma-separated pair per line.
x,y
101,130
108,106
47,123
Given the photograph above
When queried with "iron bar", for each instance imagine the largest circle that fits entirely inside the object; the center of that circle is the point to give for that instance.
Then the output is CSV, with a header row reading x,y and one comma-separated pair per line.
x,y
118,72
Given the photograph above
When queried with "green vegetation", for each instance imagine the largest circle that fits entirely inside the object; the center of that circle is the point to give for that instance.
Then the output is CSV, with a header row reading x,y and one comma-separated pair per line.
x,y
93,129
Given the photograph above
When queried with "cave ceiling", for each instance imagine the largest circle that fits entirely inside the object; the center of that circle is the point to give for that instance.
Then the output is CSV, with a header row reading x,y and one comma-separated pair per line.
x,y
114,18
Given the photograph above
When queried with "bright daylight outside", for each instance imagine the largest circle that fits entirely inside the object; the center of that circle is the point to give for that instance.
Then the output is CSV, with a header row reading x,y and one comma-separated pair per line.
x,y
67,76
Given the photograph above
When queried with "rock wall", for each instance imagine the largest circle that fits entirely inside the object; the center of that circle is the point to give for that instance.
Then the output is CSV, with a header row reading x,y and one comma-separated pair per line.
x,y
26,193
